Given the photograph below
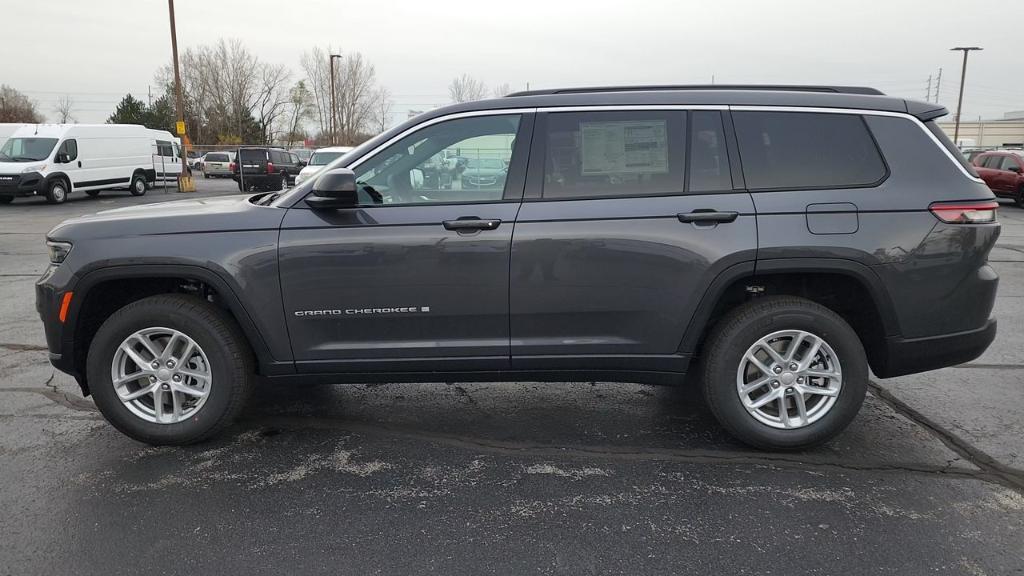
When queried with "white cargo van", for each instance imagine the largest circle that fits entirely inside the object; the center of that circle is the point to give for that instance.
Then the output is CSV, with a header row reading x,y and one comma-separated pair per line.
x,y
166,155
54,160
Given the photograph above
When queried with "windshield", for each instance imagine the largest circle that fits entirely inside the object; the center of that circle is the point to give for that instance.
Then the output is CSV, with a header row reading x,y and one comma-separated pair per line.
x,y
324,158
27,149
486,163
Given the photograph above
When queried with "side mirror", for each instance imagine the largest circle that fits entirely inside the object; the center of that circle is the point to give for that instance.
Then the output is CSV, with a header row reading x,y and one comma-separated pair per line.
x,y
61,158
1014,169
334,189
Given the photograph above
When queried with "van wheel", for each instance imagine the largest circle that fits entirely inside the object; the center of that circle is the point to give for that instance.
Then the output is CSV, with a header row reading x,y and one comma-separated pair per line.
x,y
170,369
57,192
6,199
93,193
784,373
138,185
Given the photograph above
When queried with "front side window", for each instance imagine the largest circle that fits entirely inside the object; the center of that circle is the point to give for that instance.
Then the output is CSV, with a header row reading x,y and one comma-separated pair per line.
x,y
69,147
27,149
164,148
461,160
605,154
794,150
1009,163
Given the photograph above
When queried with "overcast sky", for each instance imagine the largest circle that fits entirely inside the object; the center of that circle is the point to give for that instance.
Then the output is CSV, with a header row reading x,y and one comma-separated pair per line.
x,y
97,50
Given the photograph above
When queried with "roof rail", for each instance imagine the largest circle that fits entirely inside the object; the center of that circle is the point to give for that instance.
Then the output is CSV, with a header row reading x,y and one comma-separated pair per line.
x,y
656,88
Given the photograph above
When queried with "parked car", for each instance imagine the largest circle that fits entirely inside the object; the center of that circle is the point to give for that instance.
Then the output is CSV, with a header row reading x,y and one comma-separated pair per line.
x,y
484,173
304,154
218,164
264,169
772,244
1003,171
320,158
53,160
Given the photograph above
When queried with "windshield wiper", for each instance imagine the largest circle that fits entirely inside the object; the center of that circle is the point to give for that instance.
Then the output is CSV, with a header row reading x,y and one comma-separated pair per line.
x,y
24,159
268,199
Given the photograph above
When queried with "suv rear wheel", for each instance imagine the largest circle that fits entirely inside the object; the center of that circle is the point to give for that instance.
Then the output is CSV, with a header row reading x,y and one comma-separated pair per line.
x,y
170,369
784,373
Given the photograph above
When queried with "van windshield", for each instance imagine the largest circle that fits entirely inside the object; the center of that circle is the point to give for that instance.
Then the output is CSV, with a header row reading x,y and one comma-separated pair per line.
x,y
27,149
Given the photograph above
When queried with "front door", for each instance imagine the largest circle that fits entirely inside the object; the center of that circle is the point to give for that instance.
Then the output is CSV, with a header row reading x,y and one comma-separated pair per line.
x,y
627,217
416,277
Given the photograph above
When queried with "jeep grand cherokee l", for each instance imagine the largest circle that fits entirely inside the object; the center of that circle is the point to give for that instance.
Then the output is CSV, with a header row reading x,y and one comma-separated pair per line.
x,y
775,242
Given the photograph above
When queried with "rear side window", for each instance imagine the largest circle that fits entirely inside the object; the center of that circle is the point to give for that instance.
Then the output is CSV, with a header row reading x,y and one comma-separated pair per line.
x,y
604,154
794,150
709,159
992,162
950,147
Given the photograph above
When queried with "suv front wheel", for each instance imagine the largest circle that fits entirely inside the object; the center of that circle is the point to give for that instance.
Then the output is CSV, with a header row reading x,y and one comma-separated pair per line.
x,y
784,373
170,369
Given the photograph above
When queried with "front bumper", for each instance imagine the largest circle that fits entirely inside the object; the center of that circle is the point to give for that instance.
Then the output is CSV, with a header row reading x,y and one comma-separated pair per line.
x,y
50,289
28,184
912,355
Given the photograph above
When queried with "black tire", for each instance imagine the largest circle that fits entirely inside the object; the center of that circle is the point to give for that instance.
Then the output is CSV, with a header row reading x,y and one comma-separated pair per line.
x,y
138,185
93,193
231,364
57,191
6,199
205,175
740,329
1018,198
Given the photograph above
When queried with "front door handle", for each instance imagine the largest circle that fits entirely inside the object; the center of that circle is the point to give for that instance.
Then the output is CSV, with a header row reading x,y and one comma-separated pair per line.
x,y
709,216
471,223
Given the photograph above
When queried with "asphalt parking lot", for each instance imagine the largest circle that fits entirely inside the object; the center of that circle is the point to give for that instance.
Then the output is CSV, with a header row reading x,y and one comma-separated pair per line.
x,y
459,478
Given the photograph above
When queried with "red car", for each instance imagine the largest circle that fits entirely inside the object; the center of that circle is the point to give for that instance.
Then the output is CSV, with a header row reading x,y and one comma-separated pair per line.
x,y
1002,171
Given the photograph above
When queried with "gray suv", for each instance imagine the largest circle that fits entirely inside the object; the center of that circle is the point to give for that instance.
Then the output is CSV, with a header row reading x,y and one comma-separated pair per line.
x,y
771,242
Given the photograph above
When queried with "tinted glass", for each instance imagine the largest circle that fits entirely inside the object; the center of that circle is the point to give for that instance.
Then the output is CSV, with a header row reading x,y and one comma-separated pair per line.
x,y
806,150
164,148
252,154
594,154
216,157
69,147
949,146
432,164
993,162
709,159
1009,163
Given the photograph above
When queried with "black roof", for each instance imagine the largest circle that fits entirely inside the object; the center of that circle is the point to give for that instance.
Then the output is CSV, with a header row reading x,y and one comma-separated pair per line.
x,y
848,97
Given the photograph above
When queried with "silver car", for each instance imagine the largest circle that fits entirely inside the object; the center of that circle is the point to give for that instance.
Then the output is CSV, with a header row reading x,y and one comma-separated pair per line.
x,y
217,164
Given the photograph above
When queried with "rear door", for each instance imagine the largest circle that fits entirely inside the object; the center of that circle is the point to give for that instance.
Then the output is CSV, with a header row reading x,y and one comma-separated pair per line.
x,y
416,277
253,161
616,241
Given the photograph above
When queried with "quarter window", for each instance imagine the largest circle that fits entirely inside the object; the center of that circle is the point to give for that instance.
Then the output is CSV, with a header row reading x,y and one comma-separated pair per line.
x,y
787,150
709,159
461,160
601,154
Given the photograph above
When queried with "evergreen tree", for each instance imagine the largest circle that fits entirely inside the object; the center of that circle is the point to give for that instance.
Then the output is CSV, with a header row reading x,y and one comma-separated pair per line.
x,y
130,110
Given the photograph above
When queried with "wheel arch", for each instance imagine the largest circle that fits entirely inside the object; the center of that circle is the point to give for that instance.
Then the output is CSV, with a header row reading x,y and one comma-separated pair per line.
x,y
134,282
819,280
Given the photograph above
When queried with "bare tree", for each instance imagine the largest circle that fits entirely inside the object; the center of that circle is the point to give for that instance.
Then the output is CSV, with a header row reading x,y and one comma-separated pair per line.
x,y
355,91
272,98
503,89
382,109
299,108
63,108
16,107
466,88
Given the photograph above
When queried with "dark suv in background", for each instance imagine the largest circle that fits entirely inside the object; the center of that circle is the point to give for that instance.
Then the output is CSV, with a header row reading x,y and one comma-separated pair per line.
x,y
771,242
264,169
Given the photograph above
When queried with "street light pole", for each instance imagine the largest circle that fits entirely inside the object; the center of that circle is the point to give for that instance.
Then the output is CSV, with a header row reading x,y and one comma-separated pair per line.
x,y
185,179
334,115
960,99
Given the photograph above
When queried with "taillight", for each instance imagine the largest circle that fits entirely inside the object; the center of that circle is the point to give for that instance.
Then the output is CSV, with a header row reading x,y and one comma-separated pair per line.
x,y
231,167
965,212
270,167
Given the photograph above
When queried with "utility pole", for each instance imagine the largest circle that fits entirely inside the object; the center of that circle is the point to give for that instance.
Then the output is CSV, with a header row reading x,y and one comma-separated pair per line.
x,y
960,99
928,92
185,179
334,108
938,85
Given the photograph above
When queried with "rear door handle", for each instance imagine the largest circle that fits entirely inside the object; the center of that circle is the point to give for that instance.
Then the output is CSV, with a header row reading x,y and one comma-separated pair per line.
x,y
471,223
710,216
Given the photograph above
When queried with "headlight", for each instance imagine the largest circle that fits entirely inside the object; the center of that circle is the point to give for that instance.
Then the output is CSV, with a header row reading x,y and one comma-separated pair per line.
x,y
58,251
38,168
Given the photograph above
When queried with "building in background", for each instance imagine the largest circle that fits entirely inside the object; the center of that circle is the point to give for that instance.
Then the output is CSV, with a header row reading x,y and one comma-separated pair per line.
x,y
1005,132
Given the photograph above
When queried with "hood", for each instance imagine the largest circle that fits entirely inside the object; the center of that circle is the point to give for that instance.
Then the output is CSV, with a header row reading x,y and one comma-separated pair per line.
x,y
205,215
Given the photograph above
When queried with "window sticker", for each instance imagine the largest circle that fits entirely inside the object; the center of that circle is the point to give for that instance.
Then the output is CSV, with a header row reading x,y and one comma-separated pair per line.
x,y
630,147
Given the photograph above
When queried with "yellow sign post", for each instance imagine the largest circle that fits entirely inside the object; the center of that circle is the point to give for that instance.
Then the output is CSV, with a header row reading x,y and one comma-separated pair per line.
x,y
180,126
